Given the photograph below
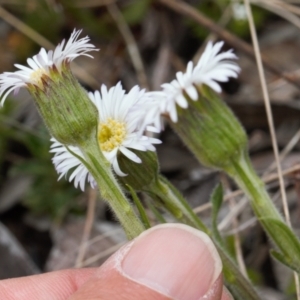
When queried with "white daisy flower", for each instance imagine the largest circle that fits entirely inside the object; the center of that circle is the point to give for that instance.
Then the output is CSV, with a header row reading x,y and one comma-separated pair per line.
x,y
121,125
43,63
64,161
212,67
122,121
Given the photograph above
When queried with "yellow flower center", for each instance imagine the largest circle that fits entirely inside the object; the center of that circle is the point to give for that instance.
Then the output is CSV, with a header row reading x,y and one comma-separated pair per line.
x,y
111,134
36,76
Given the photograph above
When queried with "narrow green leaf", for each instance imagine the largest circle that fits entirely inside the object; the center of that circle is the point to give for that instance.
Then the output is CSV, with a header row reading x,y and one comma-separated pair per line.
x,y
143,215
216,200
281,258
286,241
157,214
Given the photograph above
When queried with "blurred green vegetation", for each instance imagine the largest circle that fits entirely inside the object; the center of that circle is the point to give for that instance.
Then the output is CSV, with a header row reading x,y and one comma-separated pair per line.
x,y
55,20
25,151
215,10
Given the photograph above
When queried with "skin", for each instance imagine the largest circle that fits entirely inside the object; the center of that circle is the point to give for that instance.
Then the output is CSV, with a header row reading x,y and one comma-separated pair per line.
x,y
142,269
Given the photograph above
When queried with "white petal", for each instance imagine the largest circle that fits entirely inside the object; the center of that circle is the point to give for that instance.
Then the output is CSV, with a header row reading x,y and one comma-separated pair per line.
x,y
136,110
137,145
212,67
64,162
117,168
75,47
153,129
32,64
110,156
192,92
154,141
181,101
132,156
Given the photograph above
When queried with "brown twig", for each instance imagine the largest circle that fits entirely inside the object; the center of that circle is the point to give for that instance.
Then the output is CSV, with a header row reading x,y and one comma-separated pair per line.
x,y
87,227
287,149
131,44
271,125
222,22
279,9
102,254
268,108
234,41
92,3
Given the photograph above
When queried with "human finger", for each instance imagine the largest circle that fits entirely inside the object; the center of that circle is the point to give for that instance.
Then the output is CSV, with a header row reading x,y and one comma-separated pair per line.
x,y
57,285
170,261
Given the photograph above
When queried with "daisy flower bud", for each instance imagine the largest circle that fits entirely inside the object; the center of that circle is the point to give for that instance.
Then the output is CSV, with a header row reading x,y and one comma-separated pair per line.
x,y
211,130
141,177
63,103
198,115
120,134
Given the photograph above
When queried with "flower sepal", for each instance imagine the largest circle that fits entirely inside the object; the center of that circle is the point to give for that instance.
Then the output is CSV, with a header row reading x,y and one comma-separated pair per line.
x,y
65,107
211,130
145,178
141,176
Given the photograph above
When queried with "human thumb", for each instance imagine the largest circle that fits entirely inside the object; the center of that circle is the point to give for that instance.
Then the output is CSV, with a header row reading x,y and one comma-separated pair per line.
x,y
170,261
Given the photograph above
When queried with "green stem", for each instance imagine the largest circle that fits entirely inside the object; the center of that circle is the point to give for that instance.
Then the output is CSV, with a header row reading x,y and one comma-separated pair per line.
x,y
169,194
110,190
217,139
253,186
236,282
264,209
238,285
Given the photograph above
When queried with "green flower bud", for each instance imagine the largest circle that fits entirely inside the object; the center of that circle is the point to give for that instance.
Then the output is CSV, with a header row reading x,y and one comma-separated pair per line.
x,y
210,129
141,176
67,111
64,105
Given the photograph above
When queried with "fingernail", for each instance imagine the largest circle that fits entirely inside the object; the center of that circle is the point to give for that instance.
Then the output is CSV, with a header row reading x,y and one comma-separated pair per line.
x,y
174,260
